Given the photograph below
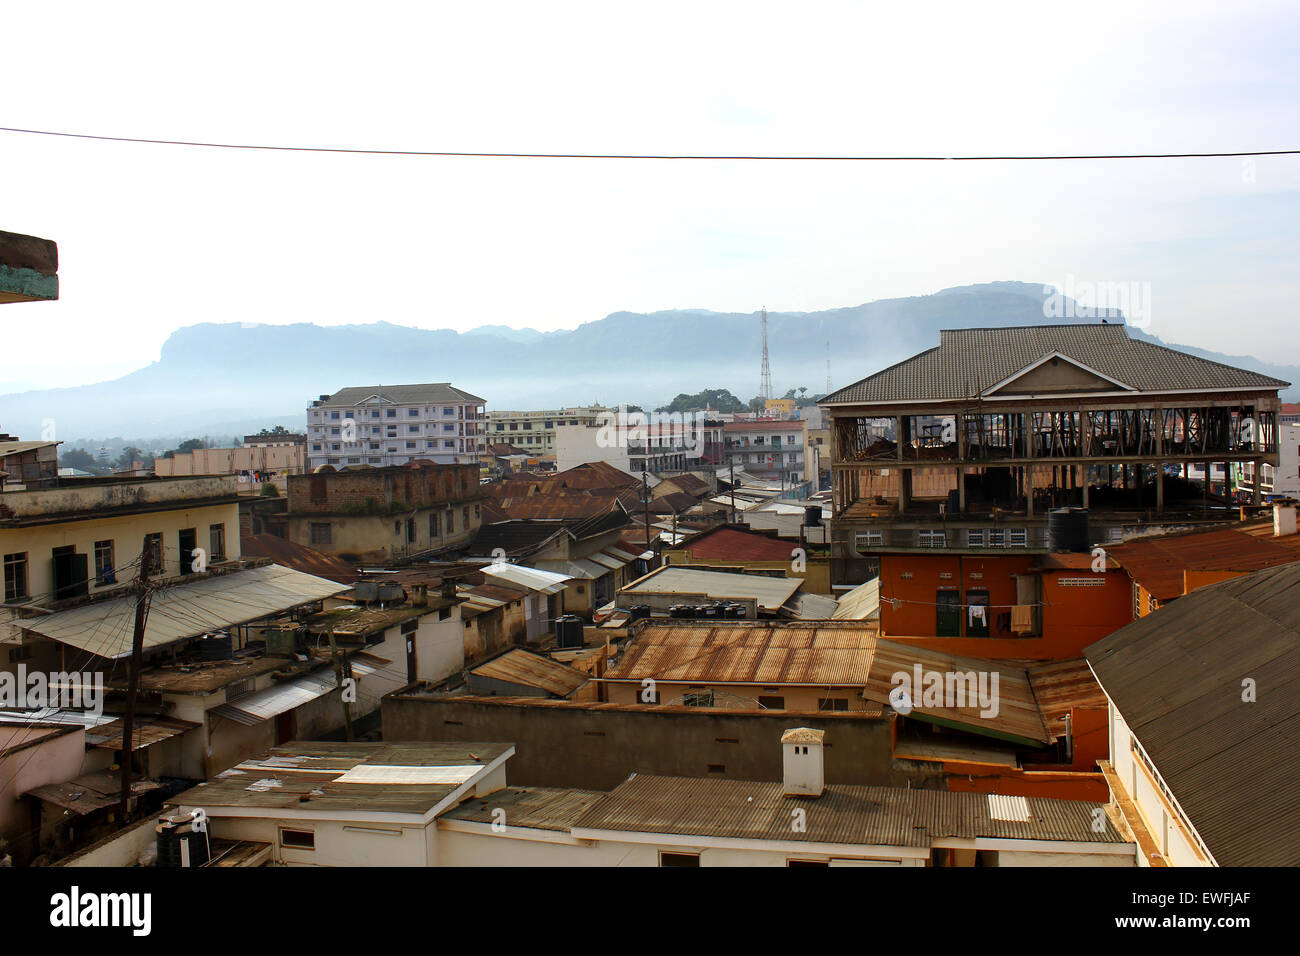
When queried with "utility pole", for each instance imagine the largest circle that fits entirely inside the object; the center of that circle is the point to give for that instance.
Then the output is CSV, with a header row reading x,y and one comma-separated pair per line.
x,y
142,597
645,501
733,492
338,679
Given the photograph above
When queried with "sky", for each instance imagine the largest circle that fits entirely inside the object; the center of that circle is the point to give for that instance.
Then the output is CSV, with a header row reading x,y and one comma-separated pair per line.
x,y
155,237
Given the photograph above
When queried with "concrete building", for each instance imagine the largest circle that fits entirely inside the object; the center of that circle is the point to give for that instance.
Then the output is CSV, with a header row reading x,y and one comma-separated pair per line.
x,y
629,451
534,432
769,449
1280,479
395,424
375,515
28,464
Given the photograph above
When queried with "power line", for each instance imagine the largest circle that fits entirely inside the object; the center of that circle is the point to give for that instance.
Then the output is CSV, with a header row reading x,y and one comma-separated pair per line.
x,y
738,157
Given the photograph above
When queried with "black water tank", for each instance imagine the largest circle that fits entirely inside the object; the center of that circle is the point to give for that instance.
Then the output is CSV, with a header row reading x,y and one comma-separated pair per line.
x,y
682,611
1067,529
812,516
178,831
736,612
216,647
708,610
568,632
638,612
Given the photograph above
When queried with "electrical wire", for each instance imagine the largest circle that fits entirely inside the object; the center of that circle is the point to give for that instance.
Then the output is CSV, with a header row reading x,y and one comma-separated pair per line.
x,y
740,157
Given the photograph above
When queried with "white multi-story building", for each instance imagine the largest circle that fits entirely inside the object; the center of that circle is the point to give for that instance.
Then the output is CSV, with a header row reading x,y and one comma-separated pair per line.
x,y
395,424
534,432
1285,478
768,448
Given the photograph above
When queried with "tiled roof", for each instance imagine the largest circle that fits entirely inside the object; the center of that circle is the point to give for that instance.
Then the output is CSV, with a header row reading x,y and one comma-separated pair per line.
x,y
1177,677
969,361
430,393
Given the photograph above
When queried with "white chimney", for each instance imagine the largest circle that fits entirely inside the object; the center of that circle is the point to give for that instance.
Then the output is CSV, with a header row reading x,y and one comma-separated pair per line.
x,y
804,771
1283,520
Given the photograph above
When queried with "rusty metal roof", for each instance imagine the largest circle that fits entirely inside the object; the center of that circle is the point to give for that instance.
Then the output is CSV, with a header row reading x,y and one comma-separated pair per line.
x,y
1017,718
1158,563
731,544
871,816
1062,686
522,667
279,778
537,808
299,557
146,732
1177,677
823,653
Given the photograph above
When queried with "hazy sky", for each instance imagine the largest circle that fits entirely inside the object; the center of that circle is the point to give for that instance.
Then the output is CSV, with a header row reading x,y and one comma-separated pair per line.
x,y
155,237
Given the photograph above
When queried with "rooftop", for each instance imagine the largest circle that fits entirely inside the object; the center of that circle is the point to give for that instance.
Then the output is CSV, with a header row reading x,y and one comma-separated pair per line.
x,y
309,777
431,393
1159,563
974,362
770,592
535,808
299,557
518,666
732,544
872,816
1177,677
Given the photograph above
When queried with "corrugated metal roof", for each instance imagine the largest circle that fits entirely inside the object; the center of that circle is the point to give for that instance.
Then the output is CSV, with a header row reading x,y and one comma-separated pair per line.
x,y
278,698
183,610
535,579
811,607
146,732
822,654
535,808
771,592
860,604
870,816
278,778
968,361
532,670
730,544
1177,677
1062,686
1017,716
1158,563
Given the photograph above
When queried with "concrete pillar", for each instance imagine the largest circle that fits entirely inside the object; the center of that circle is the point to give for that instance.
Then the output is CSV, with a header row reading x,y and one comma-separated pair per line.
x,y
961,489
1029,489
1160,486
1258,469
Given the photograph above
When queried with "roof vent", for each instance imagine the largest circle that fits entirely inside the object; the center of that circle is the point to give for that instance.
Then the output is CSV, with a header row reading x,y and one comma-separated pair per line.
x,y
801,758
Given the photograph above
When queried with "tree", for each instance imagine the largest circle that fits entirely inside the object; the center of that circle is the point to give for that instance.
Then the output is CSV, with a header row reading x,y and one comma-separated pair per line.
x,y
718,399
78,458
189,444
132,454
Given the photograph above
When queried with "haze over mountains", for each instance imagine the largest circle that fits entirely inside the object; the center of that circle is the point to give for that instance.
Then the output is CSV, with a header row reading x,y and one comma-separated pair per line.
x,y
222,379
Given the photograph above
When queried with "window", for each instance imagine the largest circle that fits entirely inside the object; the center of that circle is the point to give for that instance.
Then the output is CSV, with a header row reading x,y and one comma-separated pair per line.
x,y
678,859
104,563
974,537
15,576
1018,537
412,429
320,532
390,413
412,412
410,444
433,526
298,839
931,539
450,411
947,614
771,703
833,703
187,541
869,539
397,527
217,542
997,538
334,416
451,522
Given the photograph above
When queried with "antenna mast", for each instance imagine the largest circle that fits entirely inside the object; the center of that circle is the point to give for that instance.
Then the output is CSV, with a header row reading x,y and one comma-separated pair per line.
x,y
765,379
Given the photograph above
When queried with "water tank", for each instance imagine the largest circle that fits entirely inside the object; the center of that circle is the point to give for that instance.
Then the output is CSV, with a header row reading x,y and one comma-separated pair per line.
x,y
736,612
1067,529
366,591
391,591
681,611
812,516
638,612
216,647
708,611
179,844
568,632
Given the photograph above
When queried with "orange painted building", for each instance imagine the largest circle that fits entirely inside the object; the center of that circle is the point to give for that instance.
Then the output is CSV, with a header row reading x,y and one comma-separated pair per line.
x,y
1005,606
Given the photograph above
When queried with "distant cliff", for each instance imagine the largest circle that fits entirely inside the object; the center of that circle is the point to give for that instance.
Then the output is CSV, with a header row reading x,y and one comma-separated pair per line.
x,y
220,378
